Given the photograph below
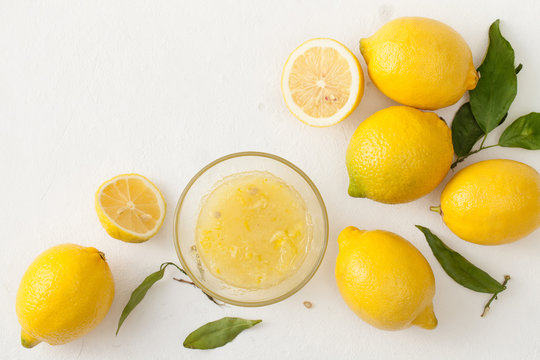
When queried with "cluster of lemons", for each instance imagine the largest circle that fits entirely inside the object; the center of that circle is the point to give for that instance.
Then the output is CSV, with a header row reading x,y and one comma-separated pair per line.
x,y
397,155
402,153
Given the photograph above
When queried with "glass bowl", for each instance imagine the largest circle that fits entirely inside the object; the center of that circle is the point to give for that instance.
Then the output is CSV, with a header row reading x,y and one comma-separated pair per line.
x,y
187,212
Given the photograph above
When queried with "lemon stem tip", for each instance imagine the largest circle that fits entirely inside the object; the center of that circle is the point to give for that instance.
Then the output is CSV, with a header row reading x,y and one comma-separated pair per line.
x,y
427,319
28,341
353,191
436,209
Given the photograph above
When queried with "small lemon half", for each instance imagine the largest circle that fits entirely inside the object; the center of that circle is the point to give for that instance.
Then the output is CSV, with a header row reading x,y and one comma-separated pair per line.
x,y
130,207
322,82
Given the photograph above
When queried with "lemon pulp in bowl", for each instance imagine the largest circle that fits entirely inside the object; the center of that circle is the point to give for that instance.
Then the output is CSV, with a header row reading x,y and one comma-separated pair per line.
x,y
194,198
253,230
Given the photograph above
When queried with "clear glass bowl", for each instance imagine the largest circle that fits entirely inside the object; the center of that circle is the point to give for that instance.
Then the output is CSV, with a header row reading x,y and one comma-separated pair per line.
x,y
187,212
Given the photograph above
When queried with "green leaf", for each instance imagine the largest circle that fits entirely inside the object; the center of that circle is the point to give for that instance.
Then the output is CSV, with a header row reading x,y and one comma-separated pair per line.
x,y
523,133
140,292
465,130
217,333
459,268
497,87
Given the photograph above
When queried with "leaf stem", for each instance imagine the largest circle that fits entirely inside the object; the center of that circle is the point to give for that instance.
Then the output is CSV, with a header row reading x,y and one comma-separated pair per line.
x,y
482,147
482,143
489,146
494,297
170,263
195,285
185,281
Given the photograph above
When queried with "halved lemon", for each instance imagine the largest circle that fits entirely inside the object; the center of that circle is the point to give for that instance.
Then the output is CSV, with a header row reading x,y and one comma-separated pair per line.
x,y
130,208
322,82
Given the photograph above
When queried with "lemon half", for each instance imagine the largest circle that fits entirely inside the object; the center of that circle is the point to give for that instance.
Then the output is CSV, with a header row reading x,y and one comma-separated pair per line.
x,y
130,207
322,82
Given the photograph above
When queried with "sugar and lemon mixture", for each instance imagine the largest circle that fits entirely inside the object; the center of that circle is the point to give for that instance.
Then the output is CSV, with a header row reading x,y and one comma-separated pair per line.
x,y
253,230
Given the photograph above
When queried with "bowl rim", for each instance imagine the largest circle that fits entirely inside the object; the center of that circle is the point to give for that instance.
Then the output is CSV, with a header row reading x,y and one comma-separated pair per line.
x,y
176,237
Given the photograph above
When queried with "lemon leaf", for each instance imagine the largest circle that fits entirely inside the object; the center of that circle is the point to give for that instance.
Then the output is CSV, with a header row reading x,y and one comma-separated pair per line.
x,y
523,133
140,292
460,269
497,87
218,333
465,130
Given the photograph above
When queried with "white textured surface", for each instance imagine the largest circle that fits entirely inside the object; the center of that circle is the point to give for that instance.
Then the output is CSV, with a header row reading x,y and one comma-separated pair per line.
x,y
91,89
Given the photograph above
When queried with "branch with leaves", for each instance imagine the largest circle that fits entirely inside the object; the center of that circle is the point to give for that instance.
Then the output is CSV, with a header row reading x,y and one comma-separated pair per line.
x,y
489,104
462,270
140,292
209,336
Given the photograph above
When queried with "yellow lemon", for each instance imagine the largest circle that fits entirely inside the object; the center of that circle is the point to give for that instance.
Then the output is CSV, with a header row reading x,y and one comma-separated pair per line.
x,y
322,82
385,280
492,202
64,294
419,62
398,154
130,208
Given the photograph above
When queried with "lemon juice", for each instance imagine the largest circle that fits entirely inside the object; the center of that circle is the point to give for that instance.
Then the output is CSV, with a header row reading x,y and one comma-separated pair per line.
x,y
253,230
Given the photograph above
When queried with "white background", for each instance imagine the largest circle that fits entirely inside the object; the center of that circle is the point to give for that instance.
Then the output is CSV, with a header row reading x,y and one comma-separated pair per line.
x,y
92,89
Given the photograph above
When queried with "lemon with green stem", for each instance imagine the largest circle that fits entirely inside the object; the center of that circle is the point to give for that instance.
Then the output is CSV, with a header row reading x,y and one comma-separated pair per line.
x,y
492,202
398,154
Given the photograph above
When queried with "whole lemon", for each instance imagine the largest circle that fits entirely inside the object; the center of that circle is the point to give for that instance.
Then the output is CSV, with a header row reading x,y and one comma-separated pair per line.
x,y
419,62
398,154
64,294
492,202
385,280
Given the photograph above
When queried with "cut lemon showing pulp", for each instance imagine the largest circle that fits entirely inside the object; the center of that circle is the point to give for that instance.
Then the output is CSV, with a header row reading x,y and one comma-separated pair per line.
x,y
130,207
322,82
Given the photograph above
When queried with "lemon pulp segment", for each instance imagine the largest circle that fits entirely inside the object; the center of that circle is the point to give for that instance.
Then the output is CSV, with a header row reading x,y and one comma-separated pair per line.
x,y
253,230
320,82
